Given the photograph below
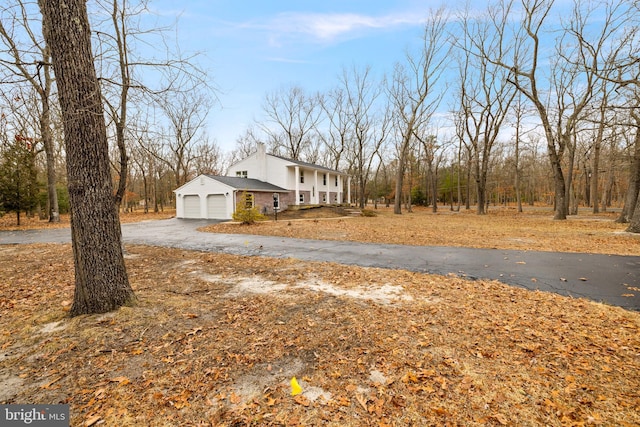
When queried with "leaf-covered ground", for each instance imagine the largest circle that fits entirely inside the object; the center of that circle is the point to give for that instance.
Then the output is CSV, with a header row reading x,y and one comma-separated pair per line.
x,y
9,222
502,228
215,340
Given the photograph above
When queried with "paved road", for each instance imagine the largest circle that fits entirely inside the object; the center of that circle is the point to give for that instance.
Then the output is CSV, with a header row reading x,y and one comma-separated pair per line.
x,y
613,279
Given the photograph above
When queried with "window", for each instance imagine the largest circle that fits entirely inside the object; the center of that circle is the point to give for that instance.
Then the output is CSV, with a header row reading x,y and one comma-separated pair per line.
x,y
301,177
336,180
241,174
301,198
324,179
248,200
324,197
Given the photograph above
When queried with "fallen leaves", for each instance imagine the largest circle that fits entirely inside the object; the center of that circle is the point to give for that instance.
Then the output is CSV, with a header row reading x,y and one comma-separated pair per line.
x,y
196,350
295,387
120,380
500,227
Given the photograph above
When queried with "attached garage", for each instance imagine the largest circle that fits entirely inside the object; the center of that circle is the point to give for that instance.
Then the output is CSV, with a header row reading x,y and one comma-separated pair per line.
x,y
191,206
216,206
214,197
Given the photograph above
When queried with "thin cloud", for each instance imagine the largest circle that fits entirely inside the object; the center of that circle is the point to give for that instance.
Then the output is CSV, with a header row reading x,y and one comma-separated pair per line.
x,y
287,60
329,27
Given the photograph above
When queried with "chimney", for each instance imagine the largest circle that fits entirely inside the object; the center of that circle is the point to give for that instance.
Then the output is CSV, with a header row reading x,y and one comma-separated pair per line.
x,y
261,162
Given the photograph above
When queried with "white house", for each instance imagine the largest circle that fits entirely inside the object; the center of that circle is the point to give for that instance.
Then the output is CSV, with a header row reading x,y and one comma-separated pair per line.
x,y
311,184
265,181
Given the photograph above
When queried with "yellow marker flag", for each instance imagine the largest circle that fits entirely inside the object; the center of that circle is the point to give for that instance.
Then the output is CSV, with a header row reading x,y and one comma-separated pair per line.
x,y
295,387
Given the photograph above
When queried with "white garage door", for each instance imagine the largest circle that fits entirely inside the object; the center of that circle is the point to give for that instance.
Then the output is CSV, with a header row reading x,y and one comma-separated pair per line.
x,y
216,206
191,206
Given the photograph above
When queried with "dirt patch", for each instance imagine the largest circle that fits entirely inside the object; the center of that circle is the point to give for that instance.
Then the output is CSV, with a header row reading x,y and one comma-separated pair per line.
x,y
215,340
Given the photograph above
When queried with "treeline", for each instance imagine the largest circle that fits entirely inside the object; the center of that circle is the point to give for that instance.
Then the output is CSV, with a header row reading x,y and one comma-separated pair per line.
x,y
521,102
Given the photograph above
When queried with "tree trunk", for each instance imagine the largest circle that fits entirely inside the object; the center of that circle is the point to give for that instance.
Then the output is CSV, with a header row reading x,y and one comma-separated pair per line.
x,y
559,186
634,225
516,184
124,161
569,177
594,197
47,139
481,186
397,206
434,189
631,198
101,282
467,203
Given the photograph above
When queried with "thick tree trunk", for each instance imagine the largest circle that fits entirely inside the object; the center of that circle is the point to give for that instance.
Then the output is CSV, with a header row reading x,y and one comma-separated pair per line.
x,y
559,186
631,198
101,282
397,206
634,225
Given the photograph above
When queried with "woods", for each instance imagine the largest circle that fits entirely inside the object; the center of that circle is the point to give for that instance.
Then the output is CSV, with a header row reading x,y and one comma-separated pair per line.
x,y
518,102
438,128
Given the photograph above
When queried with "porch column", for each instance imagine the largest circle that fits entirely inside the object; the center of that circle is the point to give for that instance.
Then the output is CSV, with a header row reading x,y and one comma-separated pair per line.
x,y
297,187
328,198
349,189
315,197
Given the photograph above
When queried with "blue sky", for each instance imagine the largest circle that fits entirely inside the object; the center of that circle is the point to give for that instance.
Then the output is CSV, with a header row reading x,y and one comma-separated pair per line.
x,y
252,48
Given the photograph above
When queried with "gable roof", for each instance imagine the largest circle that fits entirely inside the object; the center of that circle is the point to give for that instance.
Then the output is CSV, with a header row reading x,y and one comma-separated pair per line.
x,y
248,184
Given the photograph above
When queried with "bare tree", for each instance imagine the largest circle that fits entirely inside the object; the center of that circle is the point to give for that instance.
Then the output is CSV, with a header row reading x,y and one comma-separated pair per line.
x,y
624,72
101,282
292,118
119,31
207,157
631,209
29,61
185,113
433,157
118,42
336,138
485,97
601,123
519,112
367,122
245,145
573,74
412,93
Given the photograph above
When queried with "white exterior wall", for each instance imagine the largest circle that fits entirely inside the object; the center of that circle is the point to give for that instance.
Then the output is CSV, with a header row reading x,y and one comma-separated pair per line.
x,y
250,164
282,173
202,187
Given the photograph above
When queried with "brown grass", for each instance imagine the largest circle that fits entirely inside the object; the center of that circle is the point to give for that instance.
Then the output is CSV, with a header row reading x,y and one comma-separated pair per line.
x,y
215,339
8,222
502,228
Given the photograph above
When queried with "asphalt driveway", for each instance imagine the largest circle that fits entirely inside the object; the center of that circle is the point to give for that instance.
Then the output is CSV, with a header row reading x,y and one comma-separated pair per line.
x,y
612,279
